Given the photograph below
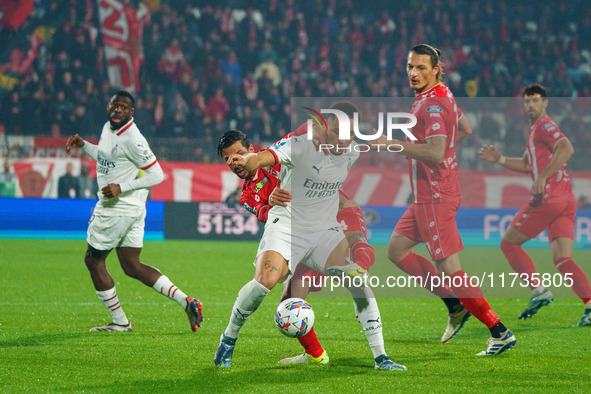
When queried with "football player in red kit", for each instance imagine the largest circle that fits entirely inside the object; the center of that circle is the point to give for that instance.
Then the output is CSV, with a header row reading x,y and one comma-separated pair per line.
x,y
436,192
552,206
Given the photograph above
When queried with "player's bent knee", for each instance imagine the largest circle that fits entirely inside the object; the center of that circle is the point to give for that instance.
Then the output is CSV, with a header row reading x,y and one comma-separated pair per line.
x,y
507,247
267,281
396,255
354,236
93,257
270,276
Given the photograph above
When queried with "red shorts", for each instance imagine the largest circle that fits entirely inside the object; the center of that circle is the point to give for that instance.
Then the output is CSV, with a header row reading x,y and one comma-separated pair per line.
x,y
352,220
434,225
312,276
557,218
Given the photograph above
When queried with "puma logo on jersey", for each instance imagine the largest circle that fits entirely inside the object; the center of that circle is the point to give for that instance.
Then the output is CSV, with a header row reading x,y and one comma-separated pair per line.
x,y
317,169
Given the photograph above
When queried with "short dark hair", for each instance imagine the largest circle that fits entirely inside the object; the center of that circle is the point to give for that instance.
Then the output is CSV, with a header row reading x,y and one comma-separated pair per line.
x,y
534,88
433,53
346,106
230,138
125,93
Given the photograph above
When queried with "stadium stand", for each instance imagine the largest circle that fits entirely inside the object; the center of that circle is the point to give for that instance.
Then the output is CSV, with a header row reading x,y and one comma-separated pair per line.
x,y
204,69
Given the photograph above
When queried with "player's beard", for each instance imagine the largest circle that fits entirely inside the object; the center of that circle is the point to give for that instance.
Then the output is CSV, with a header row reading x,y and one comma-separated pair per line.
x,y
118,124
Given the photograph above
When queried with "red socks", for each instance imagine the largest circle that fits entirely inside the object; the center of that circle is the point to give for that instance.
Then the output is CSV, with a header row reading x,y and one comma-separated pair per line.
x,y
523,264
472,298
363,254
519,260
581,285
416,265
311,344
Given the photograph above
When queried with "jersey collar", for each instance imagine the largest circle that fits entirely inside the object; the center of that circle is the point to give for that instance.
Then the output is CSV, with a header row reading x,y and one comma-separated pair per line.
x,y
428,91
121,129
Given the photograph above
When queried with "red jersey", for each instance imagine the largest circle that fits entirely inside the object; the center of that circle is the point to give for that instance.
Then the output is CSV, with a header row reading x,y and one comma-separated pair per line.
x,y
541,143
437,114
256,191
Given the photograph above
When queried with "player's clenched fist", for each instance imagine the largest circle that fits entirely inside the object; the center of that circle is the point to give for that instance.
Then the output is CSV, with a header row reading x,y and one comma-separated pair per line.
x,y
74,141
236,160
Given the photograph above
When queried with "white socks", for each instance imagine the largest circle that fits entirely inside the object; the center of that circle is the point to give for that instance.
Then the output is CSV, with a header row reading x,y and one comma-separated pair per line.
x,y
538,290
164,286
111,302
368,315
249,298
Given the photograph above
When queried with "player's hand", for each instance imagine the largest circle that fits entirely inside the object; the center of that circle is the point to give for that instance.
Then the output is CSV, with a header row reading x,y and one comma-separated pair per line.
x,y
279,197
489,153
111,190
235,161
74,141
537,189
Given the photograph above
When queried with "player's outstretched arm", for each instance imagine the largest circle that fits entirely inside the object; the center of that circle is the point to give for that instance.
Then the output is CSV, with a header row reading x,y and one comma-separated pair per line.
x,y
491,154
562,152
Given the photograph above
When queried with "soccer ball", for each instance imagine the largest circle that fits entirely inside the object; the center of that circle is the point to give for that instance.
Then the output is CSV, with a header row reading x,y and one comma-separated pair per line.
x,y
294,317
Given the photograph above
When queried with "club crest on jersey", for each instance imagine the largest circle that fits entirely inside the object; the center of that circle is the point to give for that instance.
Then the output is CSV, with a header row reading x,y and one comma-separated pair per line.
x,y
259,185
114,150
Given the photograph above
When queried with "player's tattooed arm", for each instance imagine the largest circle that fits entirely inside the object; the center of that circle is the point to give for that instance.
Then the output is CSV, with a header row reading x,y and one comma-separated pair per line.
x,y
432,151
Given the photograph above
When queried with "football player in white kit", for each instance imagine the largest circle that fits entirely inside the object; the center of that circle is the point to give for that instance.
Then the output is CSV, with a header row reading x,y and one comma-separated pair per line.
x,y
305,230
118,217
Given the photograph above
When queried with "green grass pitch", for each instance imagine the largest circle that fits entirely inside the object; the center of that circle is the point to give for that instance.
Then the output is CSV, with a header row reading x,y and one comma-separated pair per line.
x,y
48,305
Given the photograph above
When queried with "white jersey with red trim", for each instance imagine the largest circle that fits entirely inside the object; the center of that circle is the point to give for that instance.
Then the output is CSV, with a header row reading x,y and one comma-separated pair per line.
x,y
121,154
314,180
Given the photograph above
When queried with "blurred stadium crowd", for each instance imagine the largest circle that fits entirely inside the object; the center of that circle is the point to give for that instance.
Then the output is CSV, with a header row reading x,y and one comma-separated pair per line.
x,y
213,65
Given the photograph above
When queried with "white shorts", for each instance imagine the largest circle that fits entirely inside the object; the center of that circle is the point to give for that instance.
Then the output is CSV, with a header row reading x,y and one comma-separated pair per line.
x,y
108,232
311,249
